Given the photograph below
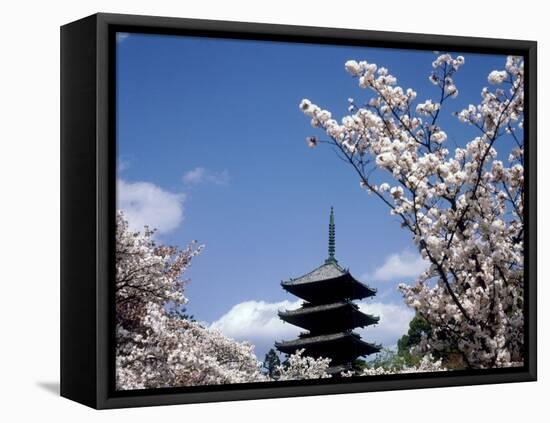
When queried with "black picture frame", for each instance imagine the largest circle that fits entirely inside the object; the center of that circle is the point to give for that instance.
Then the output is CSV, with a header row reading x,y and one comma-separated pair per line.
x,y
88,150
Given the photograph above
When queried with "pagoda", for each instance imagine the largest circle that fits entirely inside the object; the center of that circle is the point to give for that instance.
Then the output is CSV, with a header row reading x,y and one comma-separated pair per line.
x,y
328,313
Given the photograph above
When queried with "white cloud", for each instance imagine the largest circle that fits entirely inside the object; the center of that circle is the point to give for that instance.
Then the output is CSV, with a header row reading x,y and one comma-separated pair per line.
x,y
257,322
393,323
401,265
194,176
200,175
145,203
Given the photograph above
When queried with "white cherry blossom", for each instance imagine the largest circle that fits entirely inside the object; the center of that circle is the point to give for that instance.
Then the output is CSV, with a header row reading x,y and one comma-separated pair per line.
x,y
303,367
463,208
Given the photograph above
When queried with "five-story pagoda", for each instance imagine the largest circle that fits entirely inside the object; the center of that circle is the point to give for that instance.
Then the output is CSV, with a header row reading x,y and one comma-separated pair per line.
x,y
328,313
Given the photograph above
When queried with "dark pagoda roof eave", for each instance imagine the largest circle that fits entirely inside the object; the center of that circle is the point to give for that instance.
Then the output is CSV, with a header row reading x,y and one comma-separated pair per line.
x,y
300,281
317,308
330,269
346,277
332,289
324,339
323,309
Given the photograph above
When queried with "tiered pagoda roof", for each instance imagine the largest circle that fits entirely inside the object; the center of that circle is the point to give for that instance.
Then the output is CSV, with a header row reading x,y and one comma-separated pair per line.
x,y
334,317
328,313
328,282
338,346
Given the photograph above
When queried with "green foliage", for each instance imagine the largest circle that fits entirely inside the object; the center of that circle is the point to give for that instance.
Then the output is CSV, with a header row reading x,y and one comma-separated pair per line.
x,y
395,360
360,364
271,361
387,359
417,327
451,357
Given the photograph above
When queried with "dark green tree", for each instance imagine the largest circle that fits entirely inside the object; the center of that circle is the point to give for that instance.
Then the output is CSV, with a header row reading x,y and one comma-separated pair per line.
x,y
360,364
451,356
387,359
417,327
271,361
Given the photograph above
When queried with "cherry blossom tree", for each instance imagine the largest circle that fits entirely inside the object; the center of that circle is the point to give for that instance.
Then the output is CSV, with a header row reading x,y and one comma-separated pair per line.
x,y
157,348
463,208
171,352
147,273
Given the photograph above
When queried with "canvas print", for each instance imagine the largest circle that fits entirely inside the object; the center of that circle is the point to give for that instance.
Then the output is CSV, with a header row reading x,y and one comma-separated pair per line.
x,y
293,211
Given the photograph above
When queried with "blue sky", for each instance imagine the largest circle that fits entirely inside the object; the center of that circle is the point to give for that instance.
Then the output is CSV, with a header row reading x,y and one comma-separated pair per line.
x,y
211,147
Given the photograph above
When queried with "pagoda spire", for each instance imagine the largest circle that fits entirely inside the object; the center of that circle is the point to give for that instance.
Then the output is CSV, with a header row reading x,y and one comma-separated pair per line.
x,y
331,239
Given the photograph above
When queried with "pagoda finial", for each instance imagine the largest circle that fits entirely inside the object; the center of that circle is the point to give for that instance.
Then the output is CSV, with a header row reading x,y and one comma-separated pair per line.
x,y
331,239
